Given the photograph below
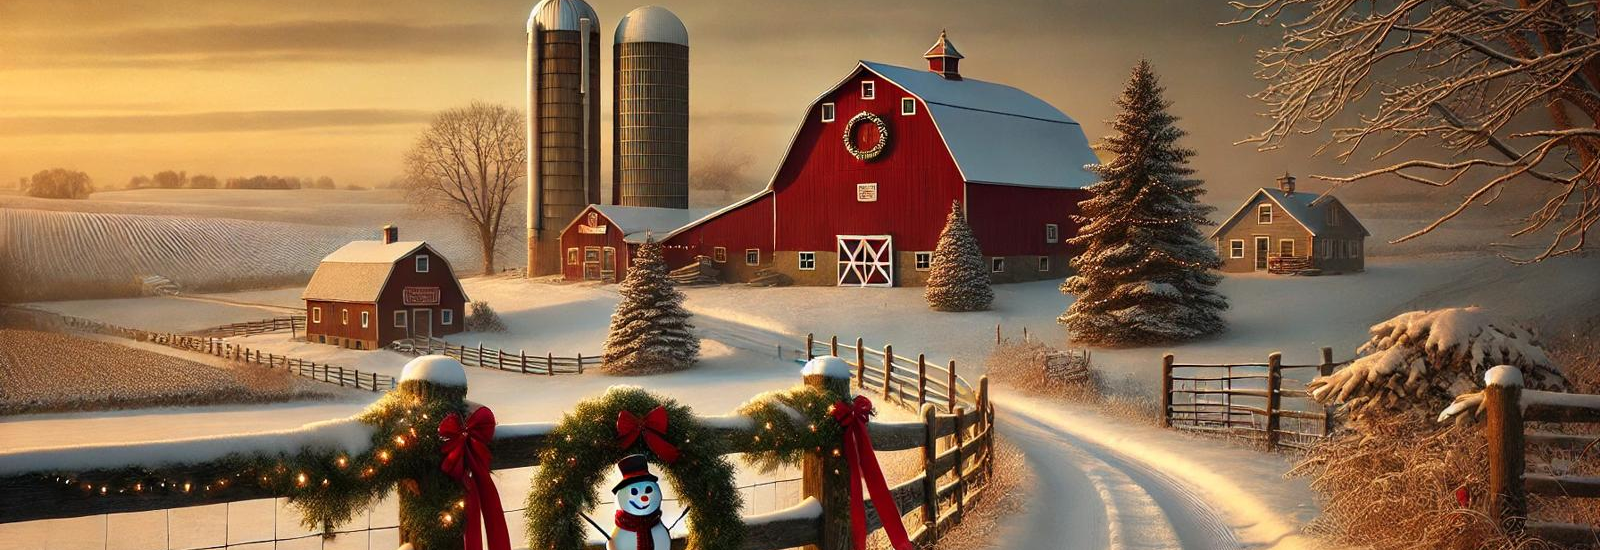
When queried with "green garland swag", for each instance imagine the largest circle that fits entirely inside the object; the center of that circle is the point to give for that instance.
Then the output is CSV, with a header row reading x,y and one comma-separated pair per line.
x,y
789,424
582,449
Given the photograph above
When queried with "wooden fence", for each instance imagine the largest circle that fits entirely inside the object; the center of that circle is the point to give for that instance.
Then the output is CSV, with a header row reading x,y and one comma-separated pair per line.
x,y
491,358
1246,400
1507,410
293,323
321,372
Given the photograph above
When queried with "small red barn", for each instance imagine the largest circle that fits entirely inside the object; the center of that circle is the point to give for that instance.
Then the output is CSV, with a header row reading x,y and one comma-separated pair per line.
x,y
599,243
370,293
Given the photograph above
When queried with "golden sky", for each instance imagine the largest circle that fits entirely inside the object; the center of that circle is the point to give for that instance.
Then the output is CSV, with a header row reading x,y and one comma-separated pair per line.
x,y
340,87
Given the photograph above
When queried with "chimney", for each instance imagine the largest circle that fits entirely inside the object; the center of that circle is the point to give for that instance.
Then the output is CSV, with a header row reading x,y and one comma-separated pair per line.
x,y
944,59
391,234
1286,184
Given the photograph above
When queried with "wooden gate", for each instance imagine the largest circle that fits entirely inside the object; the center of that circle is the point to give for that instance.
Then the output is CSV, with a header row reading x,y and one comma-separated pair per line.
x,y
866,260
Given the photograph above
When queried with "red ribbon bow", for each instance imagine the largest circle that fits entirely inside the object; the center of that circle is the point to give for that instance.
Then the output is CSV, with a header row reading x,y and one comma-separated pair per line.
x,y
864,467
466,459
654,430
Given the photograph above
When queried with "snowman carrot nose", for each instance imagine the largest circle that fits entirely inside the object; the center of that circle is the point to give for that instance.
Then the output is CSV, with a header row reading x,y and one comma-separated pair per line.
x,y
645,499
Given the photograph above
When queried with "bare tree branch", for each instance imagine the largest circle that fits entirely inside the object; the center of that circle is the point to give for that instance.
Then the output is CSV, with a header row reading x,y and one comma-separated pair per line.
x,y
468,163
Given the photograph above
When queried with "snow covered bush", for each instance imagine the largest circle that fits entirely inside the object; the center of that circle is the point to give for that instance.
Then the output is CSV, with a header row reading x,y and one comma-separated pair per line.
x,y
1421,360
650,331
1144,275
482,318
958,278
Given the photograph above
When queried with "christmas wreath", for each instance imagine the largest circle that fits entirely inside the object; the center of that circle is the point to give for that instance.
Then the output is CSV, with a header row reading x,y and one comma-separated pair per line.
x,y
850,130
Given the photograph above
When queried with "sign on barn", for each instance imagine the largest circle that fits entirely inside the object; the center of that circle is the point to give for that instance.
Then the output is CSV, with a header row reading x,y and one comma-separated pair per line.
x,y
420,296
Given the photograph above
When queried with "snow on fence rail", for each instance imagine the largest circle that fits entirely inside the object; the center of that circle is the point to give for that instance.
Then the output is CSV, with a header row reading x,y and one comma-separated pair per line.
x,y
292,323
548,364
957,466
321,372
905,379
1245,399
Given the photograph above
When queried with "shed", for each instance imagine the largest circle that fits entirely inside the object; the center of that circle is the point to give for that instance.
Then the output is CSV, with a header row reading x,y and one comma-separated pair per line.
x,y
368,294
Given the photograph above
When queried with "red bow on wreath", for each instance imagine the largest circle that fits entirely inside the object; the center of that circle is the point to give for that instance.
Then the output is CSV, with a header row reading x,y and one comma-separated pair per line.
x,y
864,467
466,459
654,430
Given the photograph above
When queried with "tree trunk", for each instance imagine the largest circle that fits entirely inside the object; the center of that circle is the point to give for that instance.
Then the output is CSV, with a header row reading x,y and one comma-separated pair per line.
x,y
487,244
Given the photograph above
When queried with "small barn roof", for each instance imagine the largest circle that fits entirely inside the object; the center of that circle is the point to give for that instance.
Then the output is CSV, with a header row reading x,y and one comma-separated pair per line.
x,y
1307,209
358,271
639,222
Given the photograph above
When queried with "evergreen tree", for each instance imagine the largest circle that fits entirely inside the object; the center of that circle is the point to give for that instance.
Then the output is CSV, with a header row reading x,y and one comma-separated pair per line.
x,y
650,331
958,279
1144,275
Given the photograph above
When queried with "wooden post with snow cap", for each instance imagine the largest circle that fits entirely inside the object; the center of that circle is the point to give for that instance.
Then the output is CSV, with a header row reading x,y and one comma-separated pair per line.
x,y
1502,398
1166,391
439,386
1274,382
825,475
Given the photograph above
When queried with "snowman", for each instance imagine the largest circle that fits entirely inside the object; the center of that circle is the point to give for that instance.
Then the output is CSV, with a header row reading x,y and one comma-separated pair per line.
x,y
639,524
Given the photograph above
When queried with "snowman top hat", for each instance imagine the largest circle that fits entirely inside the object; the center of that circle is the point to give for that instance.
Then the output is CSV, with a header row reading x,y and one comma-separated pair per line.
x,y
635,468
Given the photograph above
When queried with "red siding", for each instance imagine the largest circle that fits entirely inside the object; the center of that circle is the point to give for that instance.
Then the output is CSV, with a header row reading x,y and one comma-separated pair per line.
x,y
404,274
748,226
613,237
333,324
1009,220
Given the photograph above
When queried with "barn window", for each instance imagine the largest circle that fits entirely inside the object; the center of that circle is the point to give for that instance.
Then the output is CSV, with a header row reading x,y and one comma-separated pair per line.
x,y
827,112
322,338
869,89
316,314
447,316
997,265
366,319
752,256
572,256
1236,248
344,316
1264,213
1044,263
924,261
422,264
808,261
719,254
608,258
1359,245
400,319
908,106
1286,247
1052,233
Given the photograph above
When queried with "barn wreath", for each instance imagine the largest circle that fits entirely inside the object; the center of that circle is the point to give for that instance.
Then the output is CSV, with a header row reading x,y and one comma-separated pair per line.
x,y
850,130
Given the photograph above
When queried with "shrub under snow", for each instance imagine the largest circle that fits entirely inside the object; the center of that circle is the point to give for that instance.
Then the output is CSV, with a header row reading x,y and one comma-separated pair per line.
x,y
482,318
1423,359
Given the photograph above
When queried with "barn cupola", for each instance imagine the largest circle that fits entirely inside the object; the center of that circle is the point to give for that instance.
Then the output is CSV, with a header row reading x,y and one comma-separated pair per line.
x,y
1286,184
944,59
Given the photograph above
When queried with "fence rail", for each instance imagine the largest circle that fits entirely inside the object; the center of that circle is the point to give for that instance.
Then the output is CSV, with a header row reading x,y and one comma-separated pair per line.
x,y
1508,408
491,358
292,323
1246,400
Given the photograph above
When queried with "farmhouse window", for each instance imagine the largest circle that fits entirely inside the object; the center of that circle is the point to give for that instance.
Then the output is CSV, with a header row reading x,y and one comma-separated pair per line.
x,y
1286,247
1326,248
719,254
1333,216
1264,213
447,316
400,319
422,264
1236,248
924,261
827,112
808,261
752,256
1359,245
366,319
572,256
608,259
1052,233
997,265
908,106
344,316
316,314
869,89
1044,263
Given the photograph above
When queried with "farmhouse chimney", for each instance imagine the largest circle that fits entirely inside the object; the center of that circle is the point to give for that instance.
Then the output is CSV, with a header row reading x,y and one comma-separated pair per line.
x,y
391,234
944,59
1286,184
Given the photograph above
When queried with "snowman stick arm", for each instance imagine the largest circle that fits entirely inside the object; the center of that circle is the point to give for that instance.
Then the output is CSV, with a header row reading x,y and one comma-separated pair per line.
x,y
597,527
680,518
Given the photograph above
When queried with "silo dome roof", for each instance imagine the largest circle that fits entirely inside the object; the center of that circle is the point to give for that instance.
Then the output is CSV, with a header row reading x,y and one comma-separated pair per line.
x,y
652,24
562,15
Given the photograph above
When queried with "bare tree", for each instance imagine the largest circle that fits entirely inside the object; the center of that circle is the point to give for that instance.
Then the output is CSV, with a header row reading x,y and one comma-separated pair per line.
x,y
1507,88
468,163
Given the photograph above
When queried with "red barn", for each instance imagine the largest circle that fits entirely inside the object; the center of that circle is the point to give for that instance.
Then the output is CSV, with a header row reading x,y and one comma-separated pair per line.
x,y
862,194
367,294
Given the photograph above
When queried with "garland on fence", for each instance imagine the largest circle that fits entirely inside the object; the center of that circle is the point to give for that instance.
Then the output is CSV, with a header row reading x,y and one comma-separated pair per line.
x,y
790,423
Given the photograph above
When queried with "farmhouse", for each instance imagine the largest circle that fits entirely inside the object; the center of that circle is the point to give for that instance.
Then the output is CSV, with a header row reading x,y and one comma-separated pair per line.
x,y
367,294
862,193
1284,231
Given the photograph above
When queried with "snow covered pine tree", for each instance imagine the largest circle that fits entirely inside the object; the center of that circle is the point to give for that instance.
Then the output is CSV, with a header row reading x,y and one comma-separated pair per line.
x,y
650,331
958,280
1145,272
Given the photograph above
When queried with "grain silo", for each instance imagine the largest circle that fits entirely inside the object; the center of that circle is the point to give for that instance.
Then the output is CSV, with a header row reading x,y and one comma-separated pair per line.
x,y
650,113
563,124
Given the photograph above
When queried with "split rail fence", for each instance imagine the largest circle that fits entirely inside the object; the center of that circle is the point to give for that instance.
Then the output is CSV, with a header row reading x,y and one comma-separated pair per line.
x,y
1249,400
292,323
1507,410
491,358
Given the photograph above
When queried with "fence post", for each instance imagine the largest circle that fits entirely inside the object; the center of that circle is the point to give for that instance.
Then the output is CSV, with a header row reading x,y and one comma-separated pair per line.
x,y
922,379
1274,382
1326,368
950,388
1166,391
997,334
523,355
861,365
930,475
810,339
1508,499
580,363
983,424
825,476
549,363
888,369
833,345
961,460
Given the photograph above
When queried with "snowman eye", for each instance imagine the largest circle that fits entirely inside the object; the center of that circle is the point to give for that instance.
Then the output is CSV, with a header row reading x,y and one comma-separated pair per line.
x,y
648,490
635,490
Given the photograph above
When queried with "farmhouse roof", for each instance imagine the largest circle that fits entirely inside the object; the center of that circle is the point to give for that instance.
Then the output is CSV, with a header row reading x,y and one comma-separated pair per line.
x,y
639,222
1307,209
358,271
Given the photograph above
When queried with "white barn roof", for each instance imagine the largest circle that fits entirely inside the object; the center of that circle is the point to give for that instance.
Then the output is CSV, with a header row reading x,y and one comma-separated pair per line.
x,y
639,222
357,272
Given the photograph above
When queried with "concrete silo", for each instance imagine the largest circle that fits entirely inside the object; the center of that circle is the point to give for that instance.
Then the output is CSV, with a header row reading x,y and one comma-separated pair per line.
x,y
650,113
563,124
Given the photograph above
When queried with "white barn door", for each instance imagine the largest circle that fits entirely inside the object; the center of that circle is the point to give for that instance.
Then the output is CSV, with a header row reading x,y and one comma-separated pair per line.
x,y
866,260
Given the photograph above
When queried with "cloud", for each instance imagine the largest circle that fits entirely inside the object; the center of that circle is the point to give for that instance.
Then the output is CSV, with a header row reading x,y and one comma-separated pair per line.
x,y
222,121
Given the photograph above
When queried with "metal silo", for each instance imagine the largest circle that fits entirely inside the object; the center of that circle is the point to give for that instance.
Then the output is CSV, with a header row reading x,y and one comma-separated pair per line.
x,y
650,81
563,124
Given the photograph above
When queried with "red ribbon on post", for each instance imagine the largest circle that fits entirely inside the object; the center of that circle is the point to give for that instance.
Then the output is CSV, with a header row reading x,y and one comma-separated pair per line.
x,y
466,459
654,430
864,467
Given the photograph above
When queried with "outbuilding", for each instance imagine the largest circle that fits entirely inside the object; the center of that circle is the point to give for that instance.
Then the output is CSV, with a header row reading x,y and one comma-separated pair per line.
x,y
367,294
601,241
1284,230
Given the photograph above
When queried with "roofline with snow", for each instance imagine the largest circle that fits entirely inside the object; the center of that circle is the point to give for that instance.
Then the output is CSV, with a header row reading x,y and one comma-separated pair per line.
x,y
1233,219
390,274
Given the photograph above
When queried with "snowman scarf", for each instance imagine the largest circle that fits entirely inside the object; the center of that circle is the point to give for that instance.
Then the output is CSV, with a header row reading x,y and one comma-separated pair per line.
x,y
640,526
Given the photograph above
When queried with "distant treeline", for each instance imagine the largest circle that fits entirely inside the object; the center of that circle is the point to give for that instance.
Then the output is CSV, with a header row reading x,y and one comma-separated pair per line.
x,y
58,183
173,179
